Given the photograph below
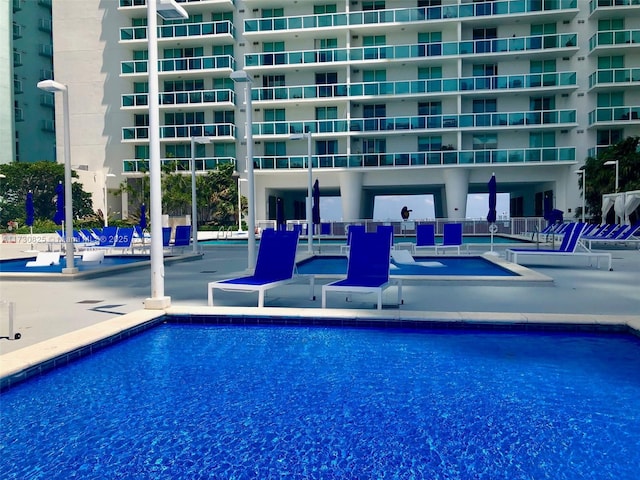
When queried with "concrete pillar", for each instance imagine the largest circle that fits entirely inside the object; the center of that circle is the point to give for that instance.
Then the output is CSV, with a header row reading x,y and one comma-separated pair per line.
x,y
351,194
456,181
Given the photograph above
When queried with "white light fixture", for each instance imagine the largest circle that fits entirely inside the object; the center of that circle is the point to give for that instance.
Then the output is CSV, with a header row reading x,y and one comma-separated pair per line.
x,y
169,10
194,201
616,163
241,76
54,87
583,172
309,214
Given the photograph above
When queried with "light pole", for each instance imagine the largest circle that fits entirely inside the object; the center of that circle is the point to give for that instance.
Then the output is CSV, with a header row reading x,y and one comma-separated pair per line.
x,y
583,172
300,136
194,201
105,212
616,163
241,76
240,202
52,86
168,9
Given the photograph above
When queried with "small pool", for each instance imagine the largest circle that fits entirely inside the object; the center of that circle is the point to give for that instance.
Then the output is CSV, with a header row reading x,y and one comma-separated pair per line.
x,y
425,266
19,265
202,401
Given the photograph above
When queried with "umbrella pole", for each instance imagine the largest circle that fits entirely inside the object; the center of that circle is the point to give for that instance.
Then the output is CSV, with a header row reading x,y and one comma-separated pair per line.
x,y
31,235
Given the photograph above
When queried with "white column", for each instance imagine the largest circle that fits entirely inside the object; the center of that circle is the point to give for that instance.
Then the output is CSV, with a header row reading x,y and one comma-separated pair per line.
x,y
456,181
351,194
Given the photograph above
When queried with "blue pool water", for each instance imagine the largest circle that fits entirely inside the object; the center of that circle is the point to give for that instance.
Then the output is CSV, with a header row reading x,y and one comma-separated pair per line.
x,y
19,265
436,266
186,402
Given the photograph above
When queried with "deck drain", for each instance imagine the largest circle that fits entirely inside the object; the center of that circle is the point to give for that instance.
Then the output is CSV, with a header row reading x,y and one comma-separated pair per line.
x,y
208,271
91,301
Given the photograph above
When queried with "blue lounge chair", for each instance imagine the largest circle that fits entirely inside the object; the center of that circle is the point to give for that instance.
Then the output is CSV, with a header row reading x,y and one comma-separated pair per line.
x,y
274,267
452,237
183,236
386,230
368,268
124,239
568,248
166,236
624,236
351,229
425,236
107,237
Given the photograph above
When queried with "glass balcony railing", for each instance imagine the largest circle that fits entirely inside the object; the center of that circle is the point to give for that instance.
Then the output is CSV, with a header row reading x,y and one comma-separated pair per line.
x,y
405,15
420,122
416,87
182,131
614,114
595,4
614,75
180,30
614,37
195,97
183,64
205,164
404,52
421,159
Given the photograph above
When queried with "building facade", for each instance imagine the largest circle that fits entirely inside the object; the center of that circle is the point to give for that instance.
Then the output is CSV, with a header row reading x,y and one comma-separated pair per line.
x,y
399,97
27,117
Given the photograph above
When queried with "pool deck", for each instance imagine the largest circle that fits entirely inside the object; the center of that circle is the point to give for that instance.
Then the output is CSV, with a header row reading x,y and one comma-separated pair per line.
x,y
56,317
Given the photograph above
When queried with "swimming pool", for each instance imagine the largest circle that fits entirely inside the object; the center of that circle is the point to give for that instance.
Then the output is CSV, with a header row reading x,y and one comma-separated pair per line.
x,y
185,401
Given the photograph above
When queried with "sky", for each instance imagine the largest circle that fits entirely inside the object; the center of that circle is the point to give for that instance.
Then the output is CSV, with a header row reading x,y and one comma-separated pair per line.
x,y
388,207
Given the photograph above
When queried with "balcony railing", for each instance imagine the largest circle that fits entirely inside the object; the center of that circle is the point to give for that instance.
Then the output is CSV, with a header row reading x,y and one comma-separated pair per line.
x,y
417,87
421,159
614,114
420,122
184,64
404,15
614,38
182,131
194,97
414,51
595,4
614,75
180,30
205,164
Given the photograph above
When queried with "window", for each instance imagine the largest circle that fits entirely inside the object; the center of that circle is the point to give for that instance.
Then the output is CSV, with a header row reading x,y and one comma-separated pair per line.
x,y
374,111
183,85
485,141
485,106
375,5
611,99
326,113
178,151
274,115
605,63
430,108
542,139
485,70
538,104
222,17
184,118
430,144
427,73
320,43
430,37
224,117
326,147
542,66
141,120
543,29
609,137
275,149
140,55
273,47
611,24
273,81
374,145
326,78
323,9
272,12
141,87
374,75
141,152
429,3
485,33
374,40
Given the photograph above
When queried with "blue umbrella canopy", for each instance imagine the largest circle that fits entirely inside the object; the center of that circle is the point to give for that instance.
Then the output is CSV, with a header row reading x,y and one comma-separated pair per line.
x,y
29,209
315,211
59,216
279,214
547,208
493,199
143,216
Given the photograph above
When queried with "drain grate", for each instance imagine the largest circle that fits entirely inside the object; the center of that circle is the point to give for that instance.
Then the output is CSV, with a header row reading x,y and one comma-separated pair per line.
x,y
91,301
208,271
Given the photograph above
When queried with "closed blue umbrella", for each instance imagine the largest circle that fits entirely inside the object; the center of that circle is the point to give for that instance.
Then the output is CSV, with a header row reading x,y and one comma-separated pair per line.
x,y
279,214
493,199
315,211
29,209
143,216
547,209
59,216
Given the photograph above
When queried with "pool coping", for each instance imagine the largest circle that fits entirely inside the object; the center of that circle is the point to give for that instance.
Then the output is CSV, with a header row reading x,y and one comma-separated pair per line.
x,y
22,364
98,272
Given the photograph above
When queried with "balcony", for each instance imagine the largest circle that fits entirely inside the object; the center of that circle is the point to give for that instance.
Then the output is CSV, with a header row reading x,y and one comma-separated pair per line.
x,y
595,5
180,31
196,98
564,80
391,125
174,132
404,15
421,159
225,63
614,77
614,38
206,164
518,45
610,116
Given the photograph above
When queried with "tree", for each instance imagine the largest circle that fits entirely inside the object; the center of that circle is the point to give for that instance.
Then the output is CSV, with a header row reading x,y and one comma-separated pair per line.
x,y
601,177
41,178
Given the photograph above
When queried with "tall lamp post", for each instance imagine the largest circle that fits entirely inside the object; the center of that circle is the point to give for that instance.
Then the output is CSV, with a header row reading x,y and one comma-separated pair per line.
x,y
309,215
241,76
616,163
583,172
52,86
237,175
169,10
194,201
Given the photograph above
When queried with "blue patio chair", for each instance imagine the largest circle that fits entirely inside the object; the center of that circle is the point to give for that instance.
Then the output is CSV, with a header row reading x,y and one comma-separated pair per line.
x,y
625,235
183,236
568,248
124,239
368,268
107,237
452,237
166,236
274,266
351,230
425,236
386,230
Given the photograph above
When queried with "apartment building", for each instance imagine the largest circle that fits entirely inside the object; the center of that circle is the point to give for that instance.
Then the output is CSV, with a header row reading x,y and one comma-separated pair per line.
x,y
399,96
27,128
